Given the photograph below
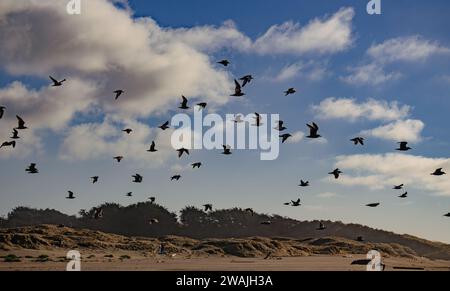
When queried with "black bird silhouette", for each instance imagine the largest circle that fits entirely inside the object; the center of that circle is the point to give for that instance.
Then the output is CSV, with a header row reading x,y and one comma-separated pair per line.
x,y
118,158
404,195
250,210
15,134
202,105
404,146
32,169
313,130
208,207
280,126
258,119
447,215
321,226
128,130
399,187
238,119
237,90
21,123
137,178
304,183
94,179
247,79
152,199
196,165
290,91
98,213
225,63
118,93
226,150
438,172
182,151
296,203
373,205
129,194
57,83
267,222
71,195
358,140
336,173
184,103
285,137
176,177
152,148
8,144
165,125
2,111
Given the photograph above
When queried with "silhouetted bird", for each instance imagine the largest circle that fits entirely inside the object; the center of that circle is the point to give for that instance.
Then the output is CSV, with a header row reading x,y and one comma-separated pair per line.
x,y
165,125
290,91
153,221
447,215
208,207
176,177
399,187
280,126
57,83
2,111
137,178
225,63
118,93
129,194
404,195
438,172
258,119
250,210
32,169
184,103
98,213
94,179
226,150
238,119
152,199
196,165
202,105
182,151
8,144
21,123
71,195
304,183
336,173
247,79
285,137
321,226
358,140
296,203
237,90
152,148
118,158
313,130
268,222
373,205
128,130
403,146
15,134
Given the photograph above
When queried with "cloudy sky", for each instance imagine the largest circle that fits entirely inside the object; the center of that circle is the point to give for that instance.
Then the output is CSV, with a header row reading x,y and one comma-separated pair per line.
x,y
385,77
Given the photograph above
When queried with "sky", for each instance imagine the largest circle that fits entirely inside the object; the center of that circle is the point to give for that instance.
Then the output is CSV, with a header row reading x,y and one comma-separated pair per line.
x,y
384,77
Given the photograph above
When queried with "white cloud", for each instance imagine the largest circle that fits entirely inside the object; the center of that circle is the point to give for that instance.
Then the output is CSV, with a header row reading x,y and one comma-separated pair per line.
x,y
372,74
382,171
296,137
310,70
408,130
352,110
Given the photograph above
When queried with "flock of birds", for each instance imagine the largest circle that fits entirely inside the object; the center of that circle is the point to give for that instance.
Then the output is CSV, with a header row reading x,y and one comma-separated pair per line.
x,y
184,105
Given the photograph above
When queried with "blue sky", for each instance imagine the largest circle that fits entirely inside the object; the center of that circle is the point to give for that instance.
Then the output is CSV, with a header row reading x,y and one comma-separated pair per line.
x,y
406,52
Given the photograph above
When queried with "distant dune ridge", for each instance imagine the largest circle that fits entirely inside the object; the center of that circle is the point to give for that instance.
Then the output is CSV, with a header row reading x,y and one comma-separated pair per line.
x,y
222,232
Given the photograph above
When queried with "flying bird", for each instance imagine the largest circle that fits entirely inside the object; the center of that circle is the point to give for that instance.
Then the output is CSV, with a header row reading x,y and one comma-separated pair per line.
x,y
373,205
290,91
57,83
304,183
118,158
238,119
225,63
246,80
438,172
296,203
399,187
208,207
15,134
447,215
32,169
358,140
94,179
152,148
21,123
8,144
404,195
336,173
403,146
184,103
176,177
98,213
2,111
226,150
71,195
182,151
152,200
285,137
321,226
196,165
118,93
165,125
137,178
128,130
202,105
280,126
129,194
258,119
237,90
313,130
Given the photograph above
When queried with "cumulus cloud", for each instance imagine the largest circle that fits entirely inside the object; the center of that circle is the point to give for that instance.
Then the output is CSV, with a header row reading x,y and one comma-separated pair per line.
x,y
352,110
382,171
296,137
409,130
310,70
